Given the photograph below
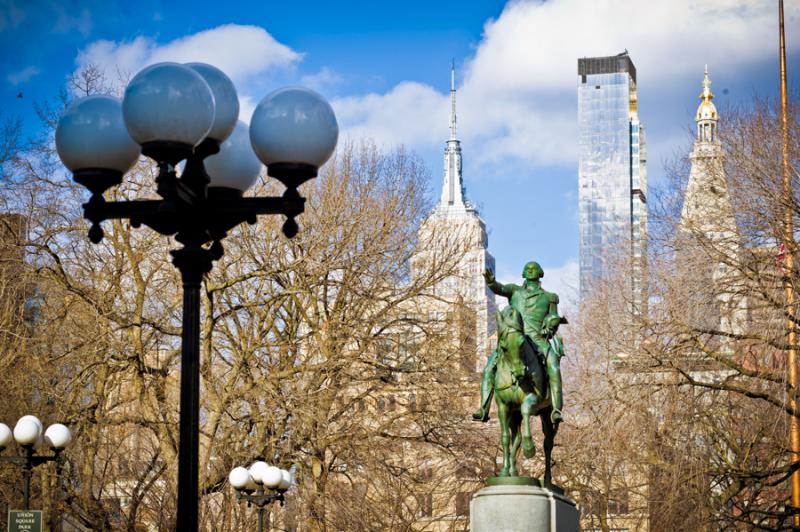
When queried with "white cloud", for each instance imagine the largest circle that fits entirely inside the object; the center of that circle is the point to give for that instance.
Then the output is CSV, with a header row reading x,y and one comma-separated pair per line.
x,y
518,98
22,76
128,57
564,281
517,102
534,45
409,114
326,77
221,46
246,107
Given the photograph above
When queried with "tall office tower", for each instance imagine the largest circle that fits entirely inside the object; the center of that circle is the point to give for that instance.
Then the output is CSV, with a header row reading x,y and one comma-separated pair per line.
x,y
709,237
456,222
612,193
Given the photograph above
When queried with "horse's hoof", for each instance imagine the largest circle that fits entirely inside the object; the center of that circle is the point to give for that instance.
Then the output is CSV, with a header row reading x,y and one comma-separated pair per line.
x,y
528,447
481,415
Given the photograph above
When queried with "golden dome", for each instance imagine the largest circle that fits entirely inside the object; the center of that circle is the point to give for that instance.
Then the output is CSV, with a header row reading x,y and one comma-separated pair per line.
x,y
706,110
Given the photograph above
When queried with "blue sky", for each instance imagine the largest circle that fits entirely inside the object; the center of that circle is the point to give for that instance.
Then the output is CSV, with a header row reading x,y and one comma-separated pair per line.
x,y
385,67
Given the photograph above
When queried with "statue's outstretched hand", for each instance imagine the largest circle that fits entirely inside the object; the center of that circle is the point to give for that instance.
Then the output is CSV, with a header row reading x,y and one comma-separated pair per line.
x,y
489,276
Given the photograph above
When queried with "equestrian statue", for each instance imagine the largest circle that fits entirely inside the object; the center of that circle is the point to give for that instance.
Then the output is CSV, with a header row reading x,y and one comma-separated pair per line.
x,y
524,372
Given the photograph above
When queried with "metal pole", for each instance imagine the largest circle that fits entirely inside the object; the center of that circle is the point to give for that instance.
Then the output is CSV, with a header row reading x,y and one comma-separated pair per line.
x,y
260,518
192,274
27,471
788,238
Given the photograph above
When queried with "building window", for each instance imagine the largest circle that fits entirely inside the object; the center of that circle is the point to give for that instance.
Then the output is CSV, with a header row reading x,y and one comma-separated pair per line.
x,y
425,504
465,472
425,474
618,502
462,504
590,503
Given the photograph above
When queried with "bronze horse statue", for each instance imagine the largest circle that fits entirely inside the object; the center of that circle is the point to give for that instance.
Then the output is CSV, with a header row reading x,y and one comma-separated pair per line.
x,y
521,390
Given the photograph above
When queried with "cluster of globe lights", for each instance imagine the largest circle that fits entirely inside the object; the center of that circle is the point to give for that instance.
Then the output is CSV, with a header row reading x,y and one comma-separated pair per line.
x,y
29,433
258,475
171,112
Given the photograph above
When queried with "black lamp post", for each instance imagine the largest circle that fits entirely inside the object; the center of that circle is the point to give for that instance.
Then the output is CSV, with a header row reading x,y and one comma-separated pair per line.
x,y
29,433
260,485
189,112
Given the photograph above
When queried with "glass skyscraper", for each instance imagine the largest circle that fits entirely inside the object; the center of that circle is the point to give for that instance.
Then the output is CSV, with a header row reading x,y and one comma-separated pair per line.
x,y
612,193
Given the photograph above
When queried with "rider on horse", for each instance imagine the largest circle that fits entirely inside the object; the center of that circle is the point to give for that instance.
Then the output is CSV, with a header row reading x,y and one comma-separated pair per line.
x,y
539,310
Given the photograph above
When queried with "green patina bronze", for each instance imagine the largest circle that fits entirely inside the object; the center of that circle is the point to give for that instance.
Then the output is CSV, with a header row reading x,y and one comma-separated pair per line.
x,y
524,372
513,481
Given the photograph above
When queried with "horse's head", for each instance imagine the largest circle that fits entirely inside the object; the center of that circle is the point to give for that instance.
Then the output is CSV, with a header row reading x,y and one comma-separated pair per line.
x,y
509,319
510,338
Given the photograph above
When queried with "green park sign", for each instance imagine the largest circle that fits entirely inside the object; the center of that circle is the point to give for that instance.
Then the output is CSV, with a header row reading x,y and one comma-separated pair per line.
x,y
24,521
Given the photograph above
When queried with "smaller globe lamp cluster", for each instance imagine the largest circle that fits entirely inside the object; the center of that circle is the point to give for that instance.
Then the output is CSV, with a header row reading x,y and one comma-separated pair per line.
x,y
260,475
29,433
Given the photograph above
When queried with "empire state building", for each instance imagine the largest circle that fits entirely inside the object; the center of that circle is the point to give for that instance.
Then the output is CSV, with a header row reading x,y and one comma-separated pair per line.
x,y
456,222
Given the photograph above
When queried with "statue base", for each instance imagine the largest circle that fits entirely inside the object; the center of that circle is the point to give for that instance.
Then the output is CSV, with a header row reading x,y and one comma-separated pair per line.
x,y
514,506
522,481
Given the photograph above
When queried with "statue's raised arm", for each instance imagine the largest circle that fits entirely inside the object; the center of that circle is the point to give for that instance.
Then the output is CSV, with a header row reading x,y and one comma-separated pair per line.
x,y
498,288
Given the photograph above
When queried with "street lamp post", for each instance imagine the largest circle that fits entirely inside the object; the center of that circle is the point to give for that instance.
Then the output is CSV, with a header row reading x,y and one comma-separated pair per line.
x,y
261,485
170,113
29,433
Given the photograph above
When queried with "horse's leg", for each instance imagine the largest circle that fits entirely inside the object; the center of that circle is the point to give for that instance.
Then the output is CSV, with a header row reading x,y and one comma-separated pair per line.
x,y
549,430
528,447
515,439
503,417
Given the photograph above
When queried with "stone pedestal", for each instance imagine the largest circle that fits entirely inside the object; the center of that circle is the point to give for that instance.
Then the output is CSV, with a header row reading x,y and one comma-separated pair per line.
x,y
511,508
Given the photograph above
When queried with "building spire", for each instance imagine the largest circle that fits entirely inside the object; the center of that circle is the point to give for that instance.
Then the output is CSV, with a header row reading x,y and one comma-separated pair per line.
x,y
706,95
453,193
453,100
706,116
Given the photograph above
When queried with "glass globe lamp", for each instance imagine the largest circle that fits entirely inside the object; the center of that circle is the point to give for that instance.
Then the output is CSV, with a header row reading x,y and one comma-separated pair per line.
x,y
236,166
272,477
239,478
257,471
93,142
168,109
6,436
226,101
28,431
57,436
294,132
286,480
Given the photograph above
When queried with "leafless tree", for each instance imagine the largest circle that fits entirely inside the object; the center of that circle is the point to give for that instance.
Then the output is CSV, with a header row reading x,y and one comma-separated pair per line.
x,y
319,353
702,376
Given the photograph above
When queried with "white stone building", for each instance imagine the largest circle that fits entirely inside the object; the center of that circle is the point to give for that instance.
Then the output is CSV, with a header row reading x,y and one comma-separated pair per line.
x,y
456,222
708,221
